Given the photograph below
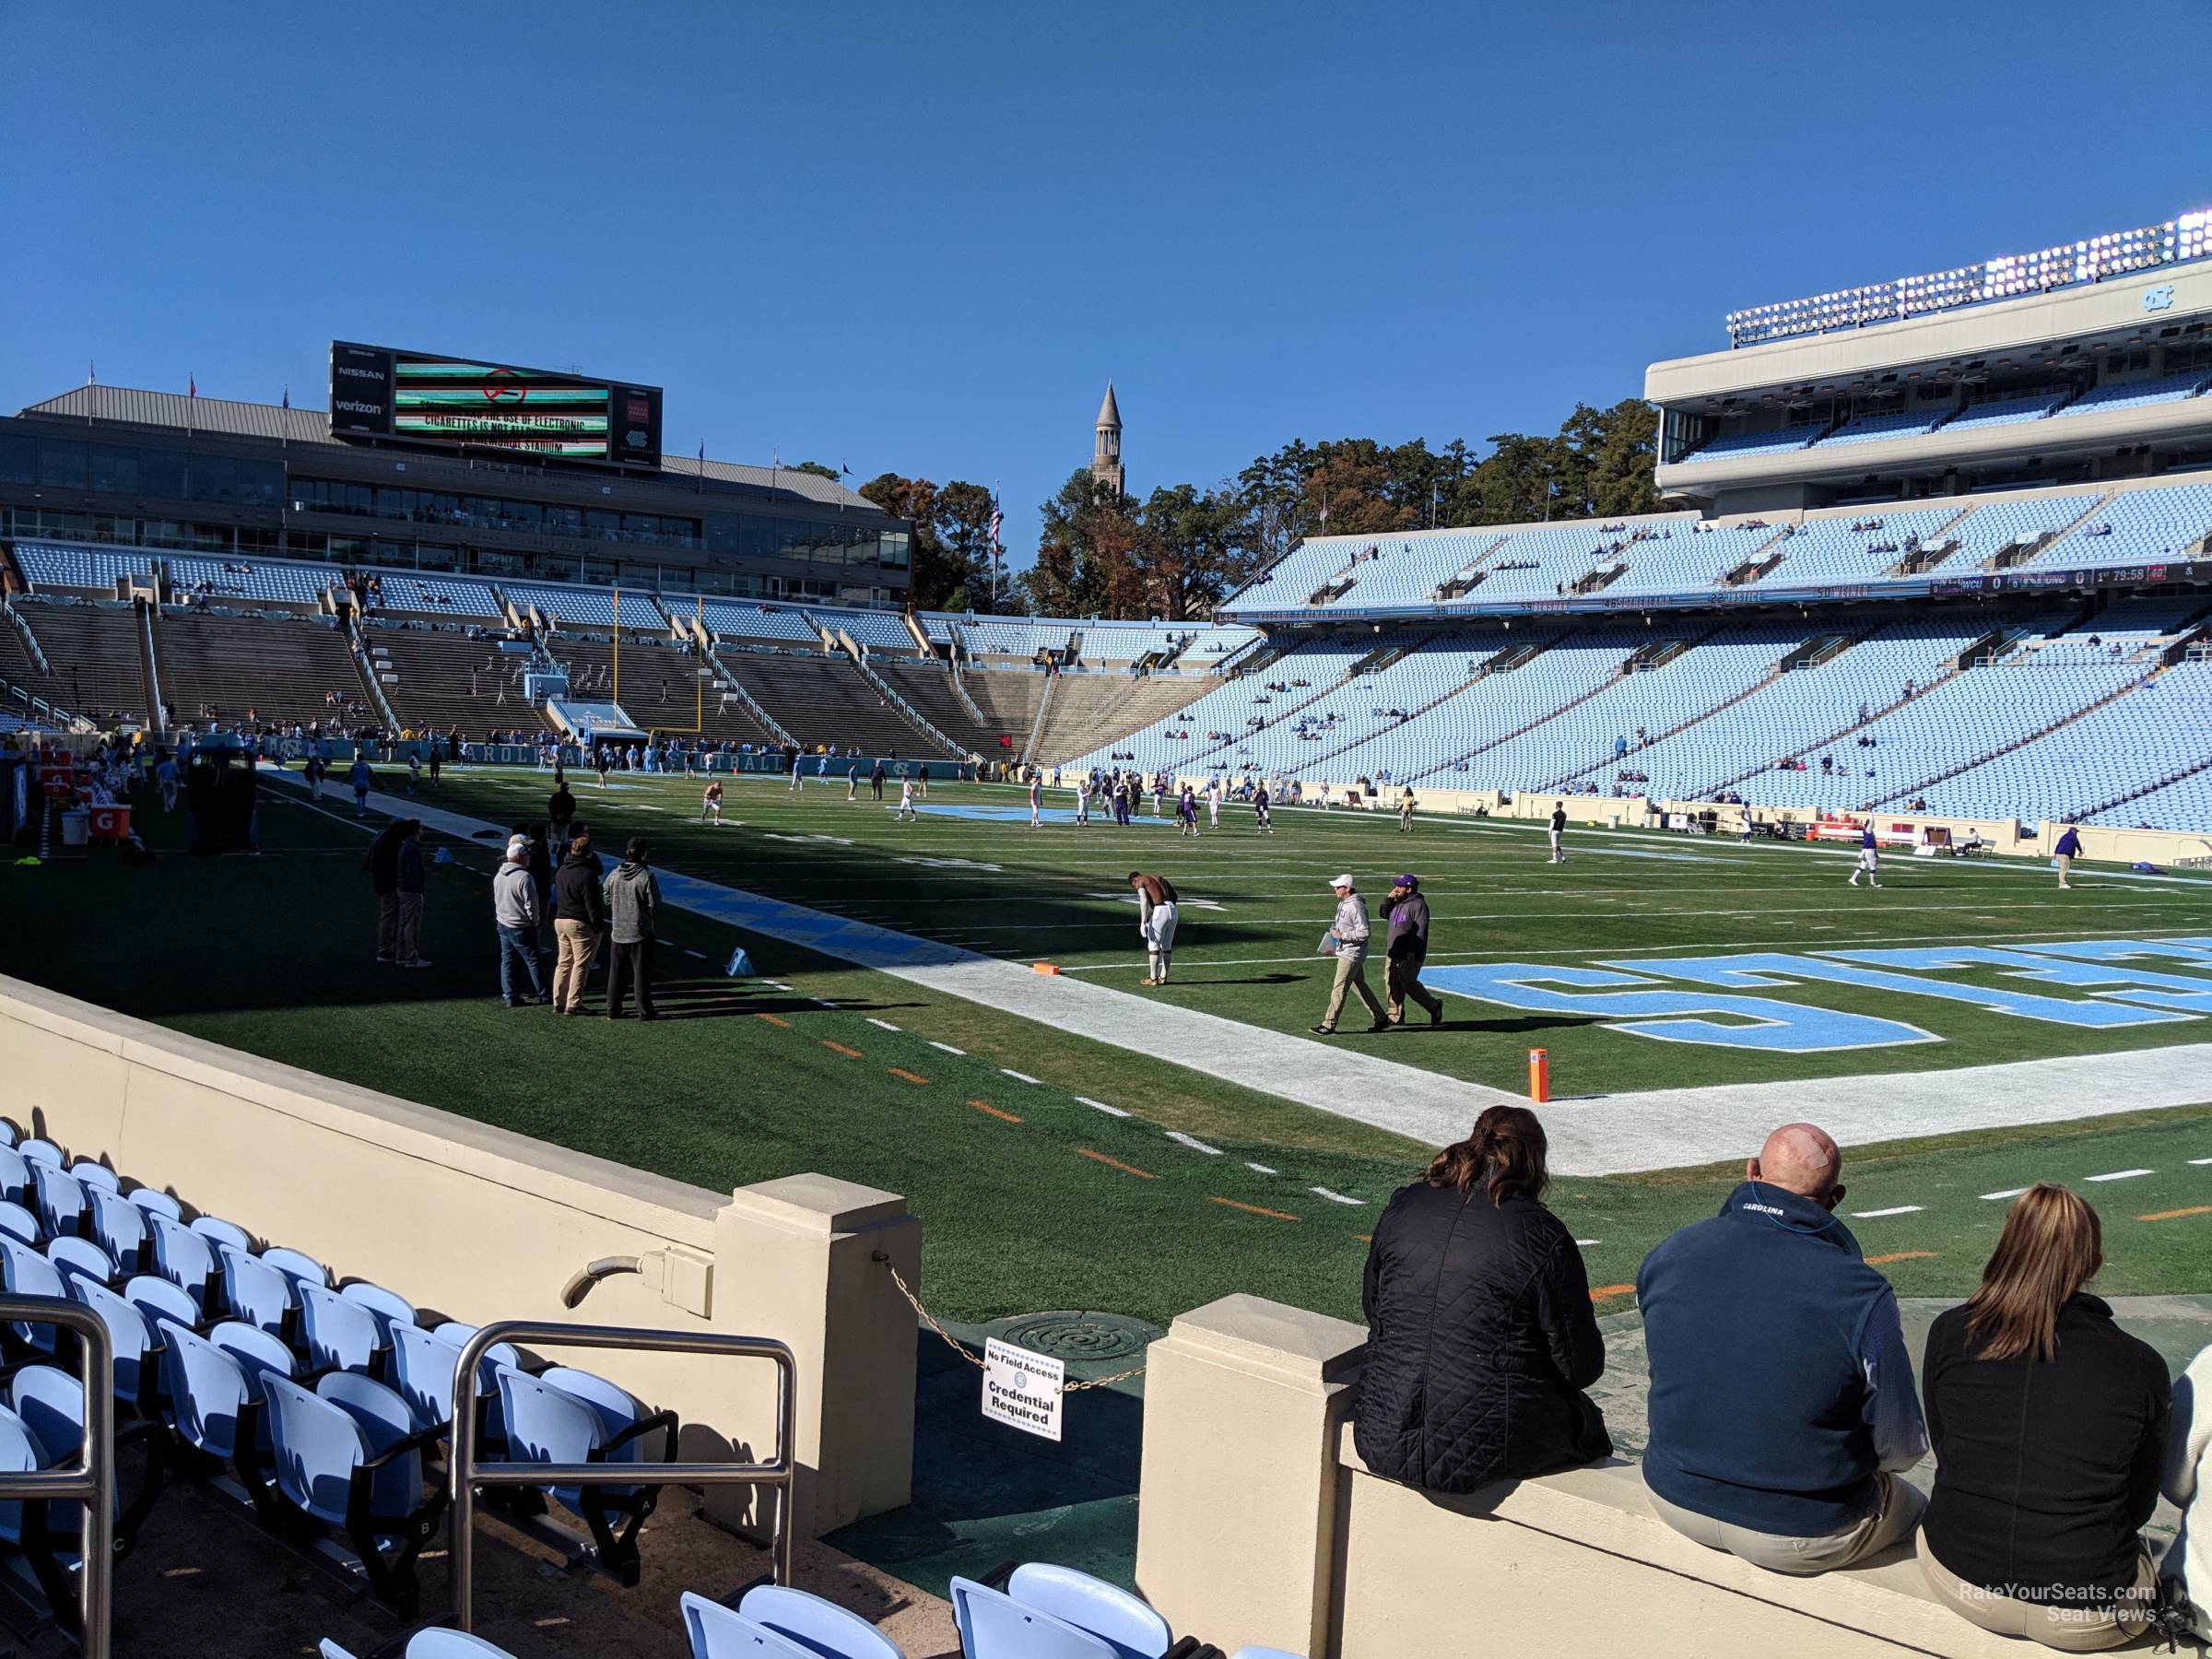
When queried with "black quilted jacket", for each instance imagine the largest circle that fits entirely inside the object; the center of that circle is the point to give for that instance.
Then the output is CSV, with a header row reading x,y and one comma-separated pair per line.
x,y
1480,1341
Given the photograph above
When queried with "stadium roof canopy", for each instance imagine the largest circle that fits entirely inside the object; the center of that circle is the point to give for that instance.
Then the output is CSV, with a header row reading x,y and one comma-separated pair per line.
x,y
131,406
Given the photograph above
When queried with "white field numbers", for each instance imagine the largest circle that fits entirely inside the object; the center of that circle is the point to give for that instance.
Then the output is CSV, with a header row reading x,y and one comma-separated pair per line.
x,y
1021,1389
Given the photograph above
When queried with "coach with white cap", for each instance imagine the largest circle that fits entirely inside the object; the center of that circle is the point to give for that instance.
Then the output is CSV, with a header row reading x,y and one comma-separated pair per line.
x,y
1346,940
517,915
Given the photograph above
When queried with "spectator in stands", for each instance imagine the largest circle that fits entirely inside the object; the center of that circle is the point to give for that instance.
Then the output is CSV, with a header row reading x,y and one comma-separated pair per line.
x,y
1346,940
633,897
579,923
1480,1334
515,913
1781,1403
2049,1427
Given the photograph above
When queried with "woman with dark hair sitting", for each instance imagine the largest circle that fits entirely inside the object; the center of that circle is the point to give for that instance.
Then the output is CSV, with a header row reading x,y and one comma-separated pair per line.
x,y
2049,1427
1480,1334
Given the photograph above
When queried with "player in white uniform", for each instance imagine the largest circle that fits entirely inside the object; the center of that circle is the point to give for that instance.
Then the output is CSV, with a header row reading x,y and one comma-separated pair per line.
x,y
906,801
1213,805
1083,788
1870,859
1156,918
1037,801
710,804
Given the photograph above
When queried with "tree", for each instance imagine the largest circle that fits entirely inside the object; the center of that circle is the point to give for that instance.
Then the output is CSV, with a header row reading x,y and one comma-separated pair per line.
x,y
818,469
948,547
962,522
1195,550
1088,559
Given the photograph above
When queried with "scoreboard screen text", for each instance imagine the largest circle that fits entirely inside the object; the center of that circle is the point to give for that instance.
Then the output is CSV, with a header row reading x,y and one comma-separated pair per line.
x,y
379,392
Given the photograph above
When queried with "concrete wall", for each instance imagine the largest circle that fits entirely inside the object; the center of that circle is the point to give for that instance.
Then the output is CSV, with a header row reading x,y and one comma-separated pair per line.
x,y
480,1224
1257,1523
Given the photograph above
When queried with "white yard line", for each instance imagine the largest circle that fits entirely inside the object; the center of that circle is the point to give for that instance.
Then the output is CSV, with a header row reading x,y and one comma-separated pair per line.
x,y
2007,1193
1194,1143
882,1025
1100,1106
2118,1175
945,1046
1901,1209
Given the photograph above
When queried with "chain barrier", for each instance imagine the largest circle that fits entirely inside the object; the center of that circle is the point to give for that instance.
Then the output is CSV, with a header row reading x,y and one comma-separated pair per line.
x,y
969,1354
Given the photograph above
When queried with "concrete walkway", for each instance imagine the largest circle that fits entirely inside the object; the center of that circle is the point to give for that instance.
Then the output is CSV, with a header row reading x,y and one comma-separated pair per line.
x,y
1601,1134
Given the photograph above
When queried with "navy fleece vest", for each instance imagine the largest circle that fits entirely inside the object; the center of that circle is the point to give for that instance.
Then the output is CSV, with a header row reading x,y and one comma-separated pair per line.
x,y
1752,1322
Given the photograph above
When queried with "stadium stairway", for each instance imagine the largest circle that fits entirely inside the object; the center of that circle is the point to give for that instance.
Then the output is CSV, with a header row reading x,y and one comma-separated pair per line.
x,y
728,685
1090,712
94,651
280,670
437,670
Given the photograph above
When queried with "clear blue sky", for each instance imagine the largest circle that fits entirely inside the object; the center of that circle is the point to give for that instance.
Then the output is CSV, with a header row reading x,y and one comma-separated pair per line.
x,y
923,237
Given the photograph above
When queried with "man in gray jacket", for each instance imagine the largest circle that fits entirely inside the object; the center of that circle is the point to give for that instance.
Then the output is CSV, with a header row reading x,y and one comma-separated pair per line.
x,y
633,899
515,912
1346,940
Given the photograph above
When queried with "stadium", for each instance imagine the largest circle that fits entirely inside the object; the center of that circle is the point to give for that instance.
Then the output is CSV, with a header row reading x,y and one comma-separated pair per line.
x,y
967,1264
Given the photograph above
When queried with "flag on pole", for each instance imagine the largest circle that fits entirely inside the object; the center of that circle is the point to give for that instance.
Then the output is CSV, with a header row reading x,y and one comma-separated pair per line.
x,y
191,387
997,518
91,372
287,395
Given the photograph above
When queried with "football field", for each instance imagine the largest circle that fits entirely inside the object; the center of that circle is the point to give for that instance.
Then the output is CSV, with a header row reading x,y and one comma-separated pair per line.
x,y
1091,1157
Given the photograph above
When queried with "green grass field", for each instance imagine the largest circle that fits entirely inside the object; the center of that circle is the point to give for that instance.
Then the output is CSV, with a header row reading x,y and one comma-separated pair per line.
x,y
1031,1196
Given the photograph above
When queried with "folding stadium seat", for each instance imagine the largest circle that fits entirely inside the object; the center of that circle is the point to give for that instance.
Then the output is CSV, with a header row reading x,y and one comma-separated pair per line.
x,y
1118,1618
434,1644
157,1203
718,1633
49,1404
340,1334
217,1231
256,1292
9,1135
157,1298
210,1403
96,1174
1261,1652
17,1223
60,1198
118,1227
14,1176
184,1258
815,1625
995,1625
573,1417
43,1151
349,1457
80,1258
132,1335
390,1308
296,1265
24,1272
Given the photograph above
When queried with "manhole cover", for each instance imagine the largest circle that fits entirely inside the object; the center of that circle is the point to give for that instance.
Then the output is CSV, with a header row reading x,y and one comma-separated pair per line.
x,y
1077,1337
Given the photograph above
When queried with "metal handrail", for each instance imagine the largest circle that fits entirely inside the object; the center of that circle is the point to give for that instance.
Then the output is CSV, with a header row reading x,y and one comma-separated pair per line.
x,y
467,1473
91,1479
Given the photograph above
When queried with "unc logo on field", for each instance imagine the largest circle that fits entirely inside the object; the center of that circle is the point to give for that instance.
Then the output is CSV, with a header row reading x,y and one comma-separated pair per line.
x,y
2158,298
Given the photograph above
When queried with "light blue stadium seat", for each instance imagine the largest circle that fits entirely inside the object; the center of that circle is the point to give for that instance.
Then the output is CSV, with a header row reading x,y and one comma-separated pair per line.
x,y
24,1272
1261,1652
17,1223
390,1308
338,1334
51,1404
184,1258
118,1227
423,1370
156,1202
14,1176
41,1151
217,1231
995,1625
296,1265
573,1417
9,1133
1107,1611
157,1298
60,1198
19,1455
255,1291
129,1333
209,1395
80,1257
817,1627
434,1644
718,1633
93,1173
349,1458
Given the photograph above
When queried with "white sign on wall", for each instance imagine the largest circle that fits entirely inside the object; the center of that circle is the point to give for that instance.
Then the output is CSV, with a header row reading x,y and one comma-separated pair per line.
x,y
1021,1389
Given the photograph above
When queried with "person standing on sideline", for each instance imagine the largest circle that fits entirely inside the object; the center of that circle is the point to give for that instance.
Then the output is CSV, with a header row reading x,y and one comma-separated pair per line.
x,y
906,802
1082,801
1122,792
1794,1464
2049,1427
798,773
579,921
1406,811
633,897
1558,828
2064,853
560,812
165,777
515,913
437,760
710,803
407,945
414,770
1347,941
361,777
875,781
1212,802
1404,950
602,764
852,782
1156,919
382,862
1263,821
1482,1338
1036,800
1186,811
1870,858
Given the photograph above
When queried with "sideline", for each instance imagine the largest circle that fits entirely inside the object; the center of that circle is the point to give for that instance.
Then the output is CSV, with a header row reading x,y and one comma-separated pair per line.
x,y
1601,1134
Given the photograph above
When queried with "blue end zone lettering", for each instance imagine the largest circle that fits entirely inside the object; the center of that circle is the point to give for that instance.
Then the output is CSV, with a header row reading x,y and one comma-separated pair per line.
x,y
1773,1026
1761,968
2190,993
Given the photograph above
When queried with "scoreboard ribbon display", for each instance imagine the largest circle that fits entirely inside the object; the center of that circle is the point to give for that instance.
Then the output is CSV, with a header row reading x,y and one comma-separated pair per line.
x,y
380,391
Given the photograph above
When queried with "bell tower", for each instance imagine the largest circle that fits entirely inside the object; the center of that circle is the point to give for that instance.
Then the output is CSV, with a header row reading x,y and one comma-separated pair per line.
x,y
1106,450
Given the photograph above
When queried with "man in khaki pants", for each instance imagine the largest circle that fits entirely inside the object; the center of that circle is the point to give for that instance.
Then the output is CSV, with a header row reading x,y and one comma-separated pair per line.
x,y
579,923
1347,937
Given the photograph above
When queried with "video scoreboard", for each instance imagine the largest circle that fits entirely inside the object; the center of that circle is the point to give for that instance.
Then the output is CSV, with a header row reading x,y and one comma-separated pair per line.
x,y
376,391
